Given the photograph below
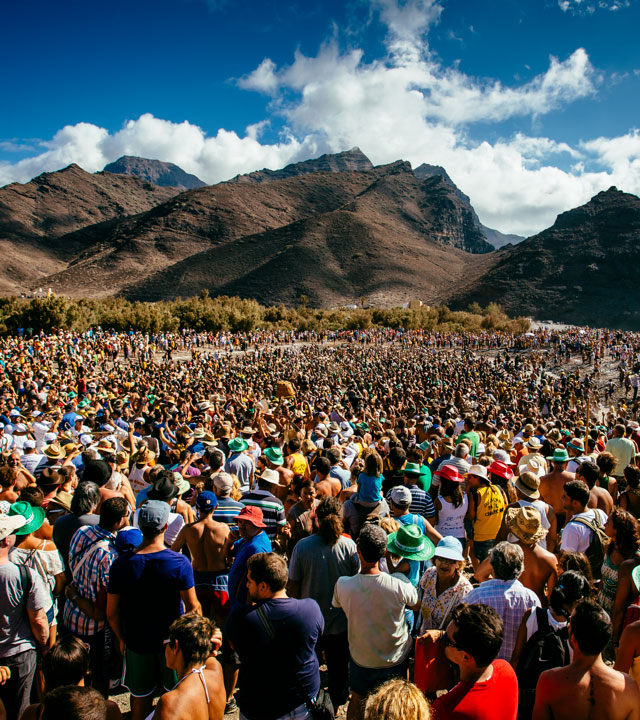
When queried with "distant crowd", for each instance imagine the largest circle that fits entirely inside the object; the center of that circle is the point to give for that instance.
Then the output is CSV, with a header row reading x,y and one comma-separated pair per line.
x,y
195,524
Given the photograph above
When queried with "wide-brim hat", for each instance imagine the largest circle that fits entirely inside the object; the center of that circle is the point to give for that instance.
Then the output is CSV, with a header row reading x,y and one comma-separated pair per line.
x,y
527,485
334,428
209,440
534,443
560,455
145,455
238,444
54,451
62,500
413,469
533,463
49,477
449,548
448,472
448,443
270,476
182,483
251,514
500,469
163,489
247,430
274,456
479,471
525,523
34,516
410,543
198,433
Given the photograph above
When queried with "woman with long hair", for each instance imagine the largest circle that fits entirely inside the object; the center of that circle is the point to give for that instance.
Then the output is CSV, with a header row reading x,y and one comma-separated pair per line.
x,y
630,498
451,508
622,529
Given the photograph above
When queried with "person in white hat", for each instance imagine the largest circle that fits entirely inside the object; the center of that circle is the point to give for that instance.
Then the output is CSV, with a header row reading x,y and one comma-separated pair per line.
x,y
272,507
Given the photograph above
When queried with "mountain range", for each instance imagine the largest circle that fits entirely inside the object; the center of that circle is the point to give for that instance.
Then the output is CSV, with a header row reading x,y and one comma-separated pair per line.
x,y
332,229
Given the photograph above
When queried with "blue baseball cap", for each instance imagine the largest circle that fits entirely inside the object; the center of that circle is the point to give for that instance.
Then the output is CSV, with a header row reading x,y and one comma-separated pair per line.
x,y
127,539
206,501
449,548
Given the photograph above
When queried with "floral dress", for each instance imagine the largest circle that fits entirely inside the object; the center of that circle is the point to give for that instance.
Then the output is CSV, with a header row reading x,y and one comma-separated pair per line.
x,y
436,610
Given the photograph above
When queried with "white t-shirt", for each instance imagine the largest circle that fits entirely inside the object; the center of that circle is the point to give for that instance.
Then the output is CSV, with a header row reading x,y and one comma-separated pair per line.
x,y
576,537
451,519
374,606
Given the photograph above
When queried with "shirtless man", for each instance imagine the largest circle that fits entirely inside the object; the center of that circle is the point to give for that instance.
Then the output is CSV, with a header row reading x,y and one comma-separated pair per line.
x,y
587,689
325,484
206,541
598,496
552,484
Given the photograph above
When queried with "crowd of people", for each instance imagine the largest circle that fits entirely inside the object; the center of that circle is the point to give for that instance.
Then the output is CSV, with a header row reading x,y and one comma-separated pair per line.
x,y
445,524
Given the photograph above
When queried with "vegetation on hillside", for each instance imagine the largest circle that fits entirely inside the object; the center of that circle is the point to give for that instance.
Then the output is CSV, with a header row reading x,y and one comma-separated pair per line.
x,y
204,313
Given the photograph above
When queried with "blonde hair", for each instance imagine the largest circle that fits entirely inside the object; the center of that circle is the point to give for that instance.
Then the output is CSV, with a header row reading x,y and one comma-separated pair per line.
x,y
389,525
236,489
397,700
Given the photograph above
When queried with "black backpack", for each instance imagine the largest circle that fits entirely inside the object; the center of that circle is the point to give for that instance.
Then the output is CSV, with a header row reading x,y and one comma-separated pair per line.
x,y
545,649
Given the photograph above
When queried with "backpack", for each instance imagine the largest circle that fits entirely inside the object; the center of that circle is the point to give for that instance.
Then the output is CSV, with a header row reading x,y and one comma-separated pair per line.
x,y
545,649
598,545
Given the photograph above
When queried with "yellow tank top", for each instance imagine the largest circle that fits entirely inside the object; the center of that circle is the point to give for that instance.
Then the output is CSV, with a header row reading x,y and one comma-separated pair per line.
x,y
489,511
299,464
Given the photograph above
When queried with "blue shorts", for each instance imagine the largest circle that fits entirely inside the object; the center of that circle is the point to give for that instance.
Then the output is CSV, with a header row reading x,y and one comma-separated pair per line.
x,y
365,680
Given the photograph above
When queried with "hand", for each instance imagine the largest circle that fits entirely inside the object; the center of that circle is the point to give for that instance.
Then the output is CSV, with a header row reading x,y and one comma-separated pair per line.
x,y
5,674
430,636
216,641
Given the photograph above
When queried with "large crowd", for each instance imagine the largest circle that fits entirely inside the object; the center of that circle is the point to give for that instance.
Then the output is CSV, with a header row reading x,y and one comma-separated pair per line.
x,y
280,524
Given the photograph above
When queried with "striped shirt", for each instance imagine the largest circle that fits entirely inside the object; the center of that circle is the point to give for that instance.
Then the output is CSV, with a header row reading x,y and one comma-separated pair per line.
x,y
421,502
92,578
272,510
227,510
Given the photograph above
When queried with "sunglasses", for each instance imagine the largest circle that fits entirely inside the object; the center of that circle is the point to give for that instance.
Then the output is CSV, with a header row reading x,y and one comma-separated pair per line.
x,y
448,642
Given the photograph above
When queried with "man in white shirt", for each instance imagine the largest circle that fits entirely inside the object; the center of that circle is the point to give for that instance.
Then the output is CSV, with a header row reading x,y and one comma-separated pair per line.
x,y
577,535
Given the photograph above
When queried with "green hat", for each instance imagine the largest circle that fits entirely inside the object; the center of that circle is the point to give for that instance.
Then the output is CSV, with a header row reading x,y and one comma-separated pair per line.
x,y
424,446
274,455
560,455
410,543
33,515
414,469
238,445
83,403
363,426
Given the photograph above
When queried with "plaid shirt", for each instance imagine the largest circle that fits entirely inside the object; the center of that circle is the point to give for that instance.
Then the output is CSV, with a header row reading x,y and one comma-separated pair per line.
x,y
92,578
511,600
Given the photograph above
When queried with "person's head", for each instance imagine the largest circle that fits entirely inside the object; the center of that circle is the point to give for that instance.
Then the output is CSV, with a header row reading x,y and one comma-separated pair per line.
x,y
66,663
632,476
308,492
8,478
589,472
575,496
323,466
334,455
569,590
400,500
619,430
250,521
215,459
113,513
606,463
153,518
373,464
622,528
222,484
576,561
329,517
462,450
267,574
86,498
397,700
397,457
448,558
474,636
372,544
507,561
190,635
33,495
590,628
74,703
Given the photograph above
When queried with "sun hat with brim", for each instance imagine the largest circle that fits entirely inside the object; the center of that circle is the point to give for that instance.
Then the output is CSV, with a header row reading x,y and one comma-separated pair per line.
x,y
503,456
34,516
533,463
182,483
448,472
247,430
413,469
525,523
479,471
449,548
61,501
560,455
534,443
500,469
163,489
49,477
528,484
97,471
238,445
447,443
270,476
576,444
54,451
251,514
410,543
10,524
274,456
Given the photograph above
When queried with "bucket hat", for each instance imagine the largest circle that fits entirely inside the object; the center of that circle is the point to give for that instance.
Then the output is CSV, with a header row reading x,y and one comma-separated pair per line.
x,y
449,548
270,476
251,514
525,523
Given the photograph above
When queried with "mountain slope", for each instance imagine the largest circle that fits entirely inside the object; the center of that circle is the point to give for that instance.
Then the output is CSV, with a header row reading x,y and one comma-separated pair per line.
x,y
157,172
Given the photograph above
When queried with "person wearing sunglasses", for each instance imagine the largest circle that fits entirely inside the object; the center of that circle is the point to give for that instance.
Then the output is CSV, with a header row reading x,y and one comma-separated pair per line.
x,y
488,688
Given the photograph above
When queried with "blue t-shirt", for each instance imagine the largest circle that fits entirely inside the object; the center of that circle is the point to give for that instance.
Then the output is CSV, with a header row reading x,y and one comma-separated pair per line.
x,y
238,571
268,689
149,586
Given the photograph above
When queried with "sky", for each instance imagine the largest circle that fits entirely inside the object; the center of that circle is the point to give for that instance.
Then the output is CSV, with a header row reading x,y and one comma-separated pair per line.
x,y
532,106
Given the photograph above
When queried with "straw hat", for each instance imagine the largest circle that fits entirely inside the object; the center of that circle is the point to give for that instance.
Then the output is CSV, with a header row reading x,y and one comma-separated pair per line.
x,y
533,463
529,485
526,524
54,451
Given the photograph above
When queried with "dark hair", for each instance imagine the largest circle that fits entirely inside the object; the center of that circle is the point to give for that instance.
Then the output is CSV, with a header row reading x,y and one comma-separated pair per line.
x,y
577,561
33,495
372,542
571,587
74,703
334,456
193,634
215,458
577,490
589,472
86,498
479,632
269,568
66,663
452,489
591,627
330,526
294,445
627,539
397,457
112,511
8,476
632,476
323,466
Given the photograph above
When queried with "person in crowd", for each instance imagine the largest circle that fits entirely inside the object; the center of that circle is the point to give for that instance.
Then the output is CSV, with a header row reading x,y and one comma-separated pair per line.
x,y
74,703
587,688
487,503
624,535
397,700
552,484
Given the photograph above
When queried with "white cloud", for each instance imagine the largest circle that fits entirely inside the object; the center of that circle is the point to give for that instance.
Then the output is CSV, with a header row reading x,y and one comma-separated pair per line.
x,y
403,106
582,7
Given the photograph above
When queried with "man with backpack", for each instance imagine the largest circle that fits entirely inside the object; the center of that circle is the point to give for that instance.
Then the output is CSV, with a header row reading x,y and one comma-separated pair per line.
x,y
585,530
23,620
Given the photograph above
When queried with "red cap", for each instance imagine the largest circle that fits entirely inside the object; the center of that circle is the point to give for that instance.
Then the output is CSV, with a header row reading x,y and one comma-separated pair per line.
x,y
501,469
251,514
449,473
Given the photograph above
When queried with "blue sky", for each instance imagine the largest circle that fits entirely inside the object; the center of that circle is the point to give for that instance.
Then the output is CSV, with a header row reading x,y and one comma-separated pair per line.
x,y
531,106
